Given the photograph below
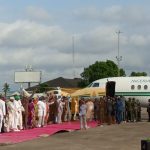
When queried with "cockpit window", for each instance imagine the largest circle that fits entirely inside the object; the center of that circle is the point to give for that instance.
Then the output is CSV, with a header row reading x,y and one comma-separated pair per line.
x,y
90,85
95,84
55,92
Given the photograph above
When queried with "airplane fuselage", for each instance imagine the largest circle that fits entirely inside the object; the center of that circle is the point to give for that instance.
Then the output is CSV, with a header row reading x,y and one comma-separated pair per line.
x,y
133,87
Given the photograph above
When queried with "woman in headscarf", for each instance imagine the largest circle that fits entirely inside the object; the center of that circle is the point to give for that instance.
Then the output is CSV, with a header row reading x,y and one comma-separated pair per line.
x,y
31,114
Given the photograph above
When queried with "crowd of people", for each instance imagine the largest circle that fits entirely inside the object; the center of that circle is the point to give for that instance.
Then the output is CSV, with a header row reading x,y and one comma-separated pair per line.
x,y
110,110
18,113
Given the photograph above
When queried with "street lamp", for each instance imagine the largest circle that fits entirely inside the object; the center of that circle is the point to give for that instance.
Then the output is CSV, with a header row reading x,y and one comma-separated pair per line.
x,y
118,57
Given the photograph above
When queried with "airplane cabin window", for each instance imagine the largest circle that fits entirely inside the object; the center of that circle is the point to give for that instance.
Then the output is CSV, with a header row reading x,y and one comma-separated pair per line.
x,y
139,87
132,87
145,87
95,84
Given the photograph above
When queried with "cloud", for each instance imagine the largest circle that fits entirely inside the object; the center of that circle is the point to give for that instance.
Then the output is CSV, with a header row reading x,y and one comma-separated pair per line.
x,y
37,14
49,49
31,34
96,40
87,13
41,36
139,40
114,14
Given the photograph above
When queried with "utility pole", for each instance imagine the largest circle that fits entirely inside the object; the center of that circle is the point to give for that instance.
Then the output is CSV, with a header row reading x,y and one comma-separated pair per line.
x,y
73,56
118,57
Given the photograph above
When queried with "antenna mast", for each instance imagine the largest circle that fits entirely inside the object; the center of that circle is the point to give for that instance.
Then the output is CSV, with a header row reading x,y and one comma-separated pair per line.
x,y
119,58
73,56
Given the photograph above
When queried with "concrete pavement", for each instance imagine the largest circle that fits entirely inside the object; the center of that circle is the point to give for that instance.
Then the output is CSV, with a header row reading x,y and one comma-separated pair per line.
x,y
126,136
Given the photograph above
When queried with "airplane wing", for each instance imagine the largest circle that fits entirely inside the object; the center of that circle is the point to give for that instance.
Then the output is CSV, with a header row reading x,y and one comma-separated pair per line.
x,y
89,92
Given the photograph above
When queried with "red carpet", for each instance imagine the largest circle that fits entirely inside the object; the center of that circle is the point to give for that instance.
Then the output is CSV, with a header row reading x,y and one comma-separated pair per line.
x,y
26,135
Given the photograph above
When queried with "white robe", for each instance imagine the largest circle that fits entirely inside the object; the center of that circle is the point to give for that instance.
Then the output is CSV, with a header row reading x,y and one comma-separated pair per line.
x,y
41,113
41,108
60,111
2,112
12,113
18,106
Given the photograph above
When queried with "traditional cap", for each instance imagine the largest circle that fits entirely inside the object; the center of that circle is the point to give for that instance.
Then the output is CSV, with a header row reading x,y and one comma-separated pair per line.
x,y
12,98
17,97
35,97
15,93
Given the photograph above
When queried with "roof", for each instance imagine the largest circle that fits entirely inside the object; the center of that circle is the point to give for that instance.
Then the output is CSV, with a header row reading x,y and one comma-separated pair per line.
x,y
61,82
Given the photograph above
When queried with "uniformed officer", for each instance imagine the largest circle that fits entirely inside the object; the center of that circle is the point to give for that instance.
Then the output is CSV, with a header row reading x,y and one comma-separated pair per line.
x,y
138,111
133,110
148,110
128,110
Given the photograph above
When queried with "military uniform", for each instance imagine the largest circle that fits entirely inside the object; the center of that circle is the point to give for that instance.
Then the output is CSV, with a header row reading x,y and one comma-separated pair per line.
x,y
133,110
128,110
138,111
102,108
109,111
148,110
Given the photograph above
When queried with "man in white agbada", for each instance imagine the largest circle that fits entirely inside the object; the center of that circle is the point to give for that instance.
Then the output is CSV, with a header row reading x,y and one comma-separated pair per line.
x,y
12,115
2,113
19,109
41,113
60,111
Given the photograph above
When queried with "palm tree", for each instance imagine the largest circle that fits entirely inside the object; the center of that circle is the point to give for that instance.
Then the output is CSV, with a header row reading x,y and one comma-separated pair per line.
x,y
6,88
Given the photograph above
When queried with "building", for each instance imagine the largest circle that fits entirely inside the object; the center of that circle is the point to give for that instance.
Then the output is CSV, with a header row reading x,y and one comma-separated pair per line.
x,y
60,82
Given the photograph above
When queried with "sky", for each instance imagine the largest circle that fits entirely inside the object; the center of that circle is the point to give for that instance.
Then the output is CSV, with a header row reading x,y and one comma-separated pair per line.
x,y
44,34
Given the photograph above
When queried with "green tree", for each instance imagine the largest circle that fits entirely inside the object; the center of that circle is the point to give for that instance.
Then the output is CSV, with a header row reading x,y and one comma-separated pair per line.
x,y
42,87
6,89
98,70
122,72
138,74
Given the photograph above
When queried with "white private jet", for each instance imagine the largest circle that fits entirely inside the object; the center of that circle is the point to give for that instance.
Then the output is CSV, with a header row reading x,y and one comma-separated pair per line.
x,y
133,87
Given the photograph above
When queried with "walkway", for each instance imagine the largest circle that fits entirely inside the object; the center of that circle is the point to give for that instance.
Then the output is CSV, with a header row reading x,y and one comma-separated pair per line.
x,y
26,135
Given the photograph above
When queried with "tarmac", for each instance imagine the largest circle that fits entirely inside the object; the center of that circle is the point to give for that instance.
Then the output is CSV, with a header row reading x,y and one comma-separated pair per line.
x,y
125,136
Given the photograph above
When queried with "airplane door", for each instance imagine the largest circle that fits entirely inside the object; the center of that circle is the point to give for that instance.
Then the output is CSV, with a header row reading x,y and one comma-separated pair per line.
x,y
110,88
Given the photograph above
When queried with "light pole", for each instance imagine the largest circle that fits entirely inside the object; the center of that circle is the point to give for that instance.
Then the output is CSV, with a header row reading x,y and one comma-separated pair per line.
x,y
73,56
118,57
